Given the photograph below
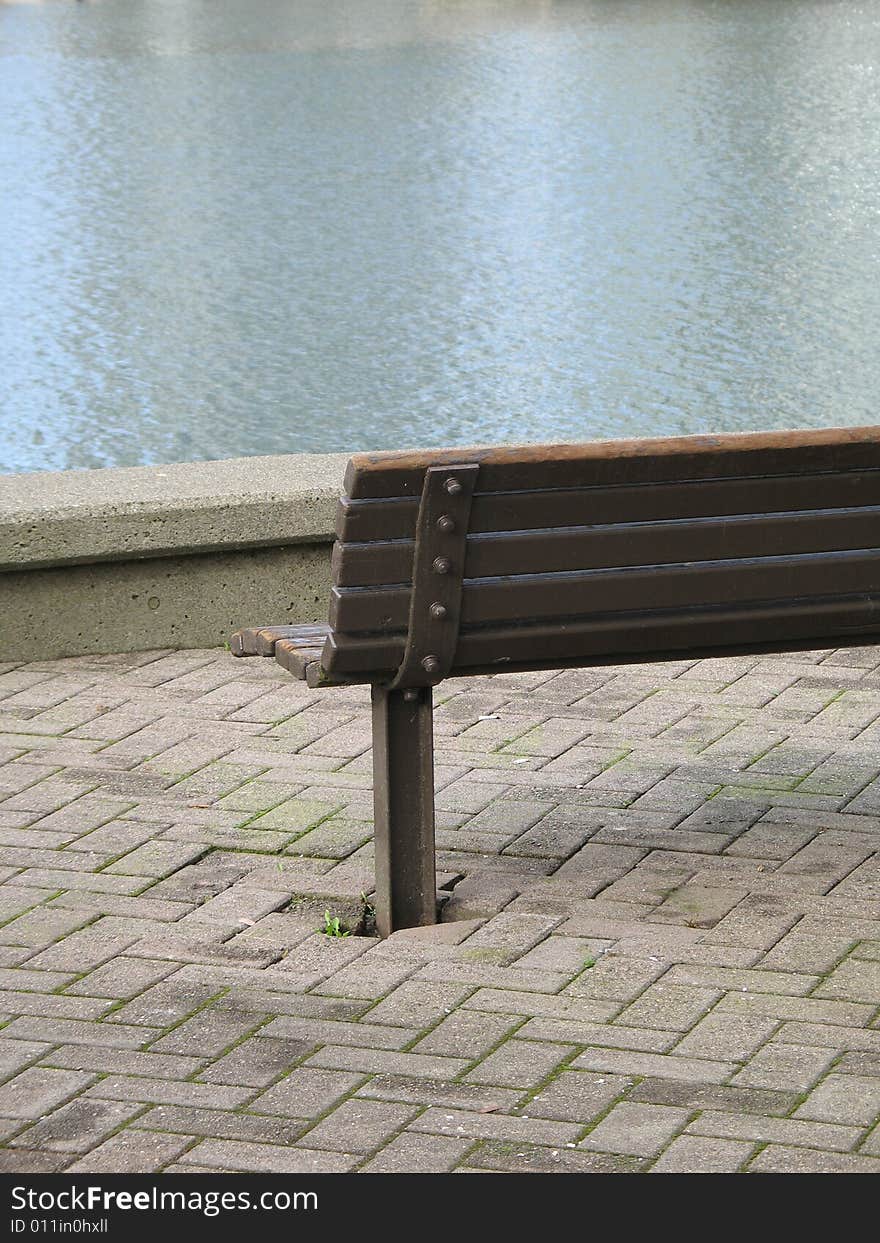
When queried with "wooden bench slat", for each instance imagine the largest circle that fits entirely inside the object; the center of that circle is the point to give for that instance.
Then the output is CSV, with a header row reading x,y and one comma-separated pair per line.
x,y
262,640
587,593
296,657
621,544
709,631
395,517
607,462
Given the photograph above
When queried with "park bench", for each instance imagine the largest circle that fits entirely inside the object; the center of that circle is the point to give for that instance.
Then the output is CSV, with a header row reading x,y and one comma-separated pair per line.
x,y
461,562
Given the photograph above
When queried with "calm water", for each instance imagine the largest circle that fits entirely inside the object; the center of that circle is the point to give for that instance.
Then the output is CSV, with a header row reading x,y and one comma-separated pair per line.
x,y
261,226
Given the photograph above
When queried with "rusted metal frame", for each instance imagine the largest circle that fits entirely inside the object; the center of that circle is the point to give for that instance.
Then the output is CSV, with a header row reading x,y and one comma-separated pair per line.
x,y
624,461
434,600
560,643
403,802
605,546
394,518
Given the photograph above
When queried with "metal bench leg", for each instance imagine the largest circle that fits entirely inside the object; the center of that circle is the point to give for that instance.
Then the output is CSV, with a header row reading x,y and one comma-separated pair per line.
x,y
403,799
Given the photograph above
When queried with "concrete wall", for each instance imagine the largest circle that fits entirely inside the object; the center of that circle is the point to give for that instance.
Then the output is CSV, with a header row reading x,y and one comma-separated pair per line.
x,y
166,556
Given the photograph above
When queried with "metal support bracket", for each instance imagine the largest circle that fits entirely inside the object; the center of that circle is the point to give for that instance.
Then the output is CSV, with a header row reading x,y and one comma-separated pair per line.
x,y
438,575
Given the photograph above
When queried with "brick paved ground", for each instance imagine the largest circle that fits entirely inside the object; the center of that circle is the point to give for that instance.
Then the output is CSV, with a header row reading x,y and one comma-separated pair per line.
x,y
663,947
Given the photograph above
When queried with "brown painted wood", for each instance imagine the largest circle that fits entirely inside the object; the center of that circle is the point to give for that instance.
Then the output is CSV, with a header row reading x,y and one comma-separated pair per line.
x,y
296,657
593,592
614,639
656,460
261,640
395,517
621,544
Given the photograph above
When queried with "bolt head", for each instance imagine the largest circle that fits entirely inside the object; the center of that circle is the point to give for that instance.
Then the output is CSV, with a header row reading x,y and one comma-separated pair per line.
x,y
442,565
452,486
439,610
430,664
446,524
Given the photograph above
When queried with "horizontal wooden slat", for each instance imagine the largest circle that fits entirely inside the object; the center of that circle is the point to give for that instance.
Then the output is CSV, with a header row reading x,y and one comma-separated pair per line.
x,y
395,518
774,626
621,544
261,640
593,592
296,657
504,468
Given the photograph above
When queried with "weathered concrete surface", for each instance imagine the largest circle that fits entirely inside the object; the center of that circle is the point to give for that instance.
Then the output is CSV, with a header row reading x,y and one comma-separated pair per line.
x,y
181,555
190,601
63,517
667,957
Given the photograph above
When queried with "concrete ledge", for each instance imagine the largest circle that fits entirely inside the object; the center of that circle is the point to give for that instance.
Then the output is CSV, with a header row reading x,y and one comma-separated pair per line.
x,y
168,556
63,517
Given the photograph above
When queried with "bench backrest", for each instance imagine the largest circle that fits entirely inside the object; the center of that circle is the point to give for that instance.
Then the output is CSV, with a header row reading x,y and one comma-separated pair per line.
x,y
619,549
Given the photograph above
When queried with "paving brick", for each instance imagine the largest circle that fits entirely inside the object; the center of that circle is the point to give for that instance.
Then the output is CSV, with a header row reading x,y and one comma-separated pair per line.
x,y
618,977
620,1061
429,1154
467,1034
803,1009
416,1003
121,978
519,1064
786,1066
166,1004
15,1055
830,1037
477,1097
168,1092
208,1033
122,1061
221,1124
77,1127
853,980
131,1152
853,1100
690,1154
306,1092
670,1007
610,1036
540,1005
637,1130
38,1090
22,1161
521,1157
225,1154
74,1031
375,1061
780,1159
460,1122
257,1062
359,1125
577,1096
725,1035
776,1130
693,1096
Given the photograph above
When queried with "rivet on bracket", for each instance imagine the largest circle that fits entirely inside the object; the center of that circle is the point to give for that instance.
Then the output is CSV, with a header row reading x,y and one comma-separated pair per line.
x,y
439,611
442,565
446,524
430,664
452,486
